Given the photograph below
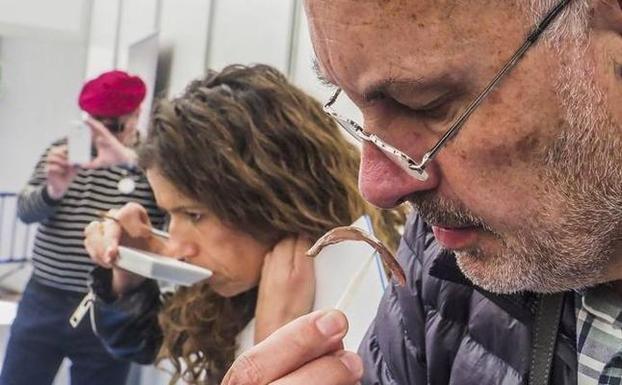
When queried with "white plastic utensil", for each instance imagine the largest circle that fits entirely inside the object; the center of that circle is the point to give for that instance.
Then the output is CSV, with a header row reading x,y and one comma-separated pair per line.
x,y
158,267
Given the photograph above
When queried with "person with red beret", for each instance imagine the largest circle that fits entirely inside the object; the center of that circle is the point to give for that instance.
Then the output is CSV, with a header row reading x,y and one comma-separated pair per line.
x,y
64,197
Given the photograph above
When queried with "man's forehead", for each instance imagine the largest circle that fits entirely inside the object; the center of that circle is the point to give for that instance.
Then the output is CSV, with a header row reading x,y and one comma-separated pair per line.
x,y
424,34
386,11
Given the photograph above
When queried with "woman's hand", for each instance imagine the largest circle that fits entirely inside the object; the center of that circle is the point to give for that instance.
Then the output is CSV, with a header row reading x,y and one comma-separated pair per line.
x,y
131,228
286,288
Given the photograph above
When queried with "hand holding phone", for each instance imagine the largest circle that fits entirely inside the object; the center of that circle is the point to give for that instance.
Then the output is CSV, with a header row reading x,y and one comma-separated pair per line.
x,y
58,171
110,151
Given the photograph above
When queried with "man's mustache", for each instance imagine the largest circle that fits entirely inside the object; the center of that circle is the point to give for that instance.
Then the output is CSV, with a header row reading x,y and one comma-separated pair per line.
x,y
437,211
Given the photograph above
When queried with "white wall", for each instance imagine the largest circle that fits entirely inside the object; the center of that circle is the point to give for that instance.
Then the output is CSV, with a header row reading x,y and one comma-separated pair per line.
x,y
41,80
102,37
115,26
250,31
138,20
183,32
59,18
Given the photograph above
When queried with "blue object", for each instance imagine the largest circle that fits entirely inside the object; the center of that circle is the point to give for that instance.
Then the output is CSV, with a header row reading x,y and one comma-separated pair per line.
x,y
41,337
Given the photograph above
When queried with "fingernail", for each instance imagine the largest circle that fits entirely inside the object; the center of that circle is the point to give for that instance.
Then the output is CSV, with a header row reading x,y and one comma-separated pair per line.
x,y
352,362
331,323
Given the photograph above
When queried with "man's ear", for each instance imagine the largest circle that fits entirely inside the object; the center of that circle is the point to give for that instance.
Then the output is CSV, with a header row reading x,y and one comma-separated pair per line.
x,y
607,15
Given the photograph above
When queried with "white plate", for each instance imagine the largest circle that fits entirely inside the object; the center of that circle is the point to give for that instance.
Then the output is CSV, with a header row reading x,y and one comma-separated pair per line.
x,y
158,267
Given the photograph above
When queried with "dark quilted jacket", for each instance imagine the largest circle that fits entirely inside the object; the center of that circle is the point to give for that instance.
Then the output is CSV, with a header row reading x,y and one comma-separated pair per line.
x,y
440,329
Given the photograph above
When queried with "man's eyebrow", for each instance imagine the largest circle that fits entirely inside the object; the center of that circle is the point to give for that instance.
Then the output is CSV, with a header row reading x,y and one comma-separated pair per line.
x,y
315,64
396,85
379,88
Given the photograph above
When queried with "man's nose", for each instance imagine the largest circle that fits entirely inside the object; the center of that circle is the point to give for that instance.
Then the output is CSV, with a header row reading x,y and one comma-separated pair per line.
x,y
383,183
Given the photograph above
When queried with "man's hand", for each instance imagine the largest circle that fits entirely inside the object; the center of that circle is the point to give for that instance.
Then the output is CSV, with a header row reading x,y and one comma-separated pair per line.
x,y
59,172
307,351
287,286
110,151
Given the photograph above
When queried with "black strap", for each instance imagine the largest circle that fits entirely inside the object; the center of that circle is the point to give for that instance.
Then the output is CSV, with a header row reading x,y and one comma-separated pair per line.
x,y
544,335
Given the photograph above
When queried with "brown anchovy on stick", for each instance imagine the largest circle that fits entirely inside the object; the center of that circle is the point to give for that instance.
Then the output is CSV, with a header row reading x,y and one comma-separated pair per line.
x,y
351,233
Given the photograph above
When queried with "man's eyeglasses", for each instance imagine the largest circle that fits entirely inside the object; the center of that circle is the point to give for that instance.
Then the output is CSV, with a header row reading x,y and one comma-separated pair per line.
x,y
417,169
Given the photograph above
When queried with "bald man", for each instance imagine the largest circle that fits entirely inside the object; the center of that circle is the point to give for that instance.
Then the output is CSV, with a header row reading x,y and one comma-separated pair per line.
x,y
499,121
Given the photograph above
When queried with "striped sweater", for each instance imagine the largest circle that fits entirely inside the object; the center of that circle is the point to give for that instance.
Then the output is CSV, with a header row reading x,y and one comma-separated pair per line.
x,y
59,257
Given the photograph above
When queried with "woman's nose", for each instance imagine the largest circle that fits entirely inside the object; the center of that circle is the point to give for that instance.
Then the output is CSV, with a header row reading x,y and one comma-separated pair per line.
x,y
179,245
181,249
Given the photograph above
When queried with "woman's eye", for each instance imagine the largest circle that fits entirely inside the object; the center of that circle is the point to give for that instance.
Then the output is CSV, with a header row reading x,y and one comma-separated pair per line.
x,y
194,217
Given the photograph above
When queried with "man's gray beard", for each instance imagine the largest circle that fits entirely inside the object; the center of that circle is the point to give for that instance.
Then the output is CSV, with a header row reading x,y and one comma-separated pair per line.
x,y
582,168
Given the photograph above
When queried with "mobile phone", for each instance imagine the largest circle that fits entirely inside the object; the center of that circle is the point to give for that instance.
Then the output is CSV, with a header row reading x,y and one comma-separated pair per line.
x,y
79,143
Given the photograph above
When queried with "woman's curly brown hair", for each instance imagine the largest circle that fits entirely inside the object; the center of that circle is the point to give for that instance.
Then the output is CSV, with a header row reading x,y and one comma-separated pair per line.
x,y
263,157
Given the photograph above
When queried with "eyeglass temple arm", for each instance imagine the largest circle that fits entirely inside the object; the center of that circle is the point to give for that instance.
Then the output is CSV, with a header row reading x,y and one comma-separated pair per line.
x,y
531,39
332,99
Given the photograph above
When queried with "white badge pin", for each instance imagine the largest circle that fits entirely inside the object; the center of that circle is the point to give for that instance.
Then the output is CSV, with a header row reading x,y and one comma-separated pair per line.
x,y
126,185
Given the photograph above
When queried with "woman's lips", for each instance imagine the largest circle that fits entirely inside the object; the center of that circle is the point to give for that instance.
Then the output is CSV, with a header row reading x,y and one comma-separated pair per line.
x,y
455,238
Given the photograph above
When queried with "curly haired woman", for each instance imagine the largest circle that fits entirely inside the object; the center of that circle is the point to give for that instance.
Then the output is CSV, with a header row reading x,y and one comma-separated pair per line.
x,y
251,172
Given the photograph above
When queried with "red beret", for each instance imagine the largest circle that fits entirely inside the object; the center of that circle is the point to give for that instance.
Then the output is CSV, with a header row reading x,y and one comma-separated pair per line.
x,y
112,94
